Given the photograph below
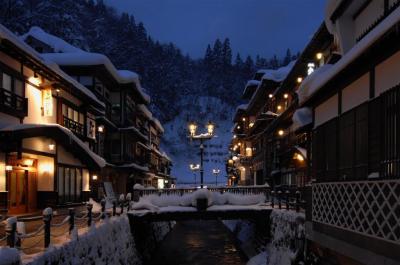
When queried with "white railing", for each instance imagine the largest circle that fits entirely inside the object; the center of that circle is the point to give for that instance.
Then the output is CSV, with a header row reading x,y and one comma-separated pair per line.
x,y
371,208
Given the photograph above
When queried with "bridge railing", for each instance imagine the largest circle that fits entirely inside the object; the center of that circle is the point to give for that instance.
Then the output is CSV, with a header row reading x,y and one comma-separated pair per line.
x,y
244,190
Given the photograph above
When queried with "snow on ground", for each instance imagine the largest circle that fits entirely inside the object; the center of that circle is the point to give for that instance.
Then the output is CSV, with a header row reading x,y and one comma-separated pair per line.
x,y
285,226
216,201
183,152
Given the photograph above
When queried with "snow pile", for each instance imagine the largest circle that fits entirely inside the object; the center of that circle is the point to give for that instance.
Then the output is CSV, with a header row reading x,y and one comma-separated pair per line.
x,y
248,199
301,118
277,75
110,243
286,226
9,256
154,201
258,259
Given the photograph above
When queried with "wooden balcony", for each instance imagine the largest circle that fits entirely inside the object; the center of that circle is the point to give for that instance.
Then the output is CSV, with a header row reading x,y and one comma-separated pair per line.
x,y
13,104
74,126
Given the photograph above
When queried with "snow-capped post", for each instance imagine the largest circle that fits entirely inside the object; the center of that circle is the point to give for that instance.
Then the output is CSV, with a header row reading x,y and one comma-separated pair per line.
x,y
89,208
280,199
11,231
122,202
297,200
272,198
103,208
47,216
287,199
114,207
128,198
71,212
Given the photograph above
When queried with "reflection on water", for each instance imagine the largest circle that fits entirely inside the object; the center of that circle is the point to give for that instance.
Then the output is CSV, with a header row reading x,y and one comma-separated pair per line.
x,y
198,243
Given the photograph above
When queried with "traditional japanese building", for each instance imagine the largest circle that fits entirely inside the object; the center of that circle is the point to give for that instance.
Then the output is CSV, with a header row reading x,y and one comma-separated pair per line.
x,y
354,216
70,121
46,147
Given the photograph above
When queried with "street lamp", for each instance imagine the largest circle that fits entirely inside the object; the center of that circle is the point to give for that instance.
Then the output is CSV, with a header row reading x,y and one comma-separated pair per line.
x,y
194,168
201,137
216,173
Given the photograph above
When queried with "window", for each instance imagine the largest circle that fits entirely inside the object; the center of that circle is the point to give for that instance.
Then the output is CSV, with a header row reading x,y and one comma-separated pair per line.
x,y
69,184
6,82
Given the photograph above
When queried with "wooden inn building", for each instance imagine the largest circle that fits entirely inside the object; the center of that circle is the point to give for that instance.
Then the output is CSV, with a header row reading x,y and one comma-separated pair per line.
x,y
70,122
336,132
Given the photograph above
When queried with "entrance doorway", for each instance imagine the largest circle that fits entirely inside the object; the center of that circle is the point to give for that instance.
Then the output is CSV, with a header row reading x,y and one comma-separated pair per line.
x,y
22,187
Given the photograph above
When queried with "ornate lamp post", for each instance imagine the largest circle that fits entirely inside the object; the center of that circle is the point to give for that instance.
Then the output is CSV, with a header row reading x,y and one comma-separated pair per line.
x,y
194,168
216,173
201,137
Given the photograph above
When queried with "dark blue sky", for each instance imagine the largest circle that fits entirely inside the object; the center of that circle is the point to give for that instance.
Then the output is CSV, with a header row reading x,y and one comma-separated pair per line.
x,y
264,27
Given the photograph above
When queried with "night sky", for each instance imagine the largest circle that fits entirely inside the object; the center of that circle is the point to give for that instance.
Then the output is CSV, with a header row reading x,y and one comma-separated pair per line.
x,y
264,27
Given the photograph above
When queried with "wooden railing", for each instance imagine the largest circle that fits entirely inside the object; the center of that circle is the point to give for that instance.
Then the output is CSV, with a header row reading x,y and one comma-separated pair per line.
x,y
370,208
74,126
13,103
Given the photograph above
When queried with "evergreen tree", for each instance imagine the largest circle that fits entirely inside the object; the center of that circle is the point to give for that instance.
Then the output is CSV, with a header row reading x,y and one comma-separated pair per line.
x,y
288,57
227,53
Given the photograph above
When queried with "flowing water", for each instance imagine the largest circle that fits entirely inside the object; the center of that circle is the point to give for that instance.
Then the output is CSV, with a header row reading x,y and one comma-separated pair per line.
x,y
198,243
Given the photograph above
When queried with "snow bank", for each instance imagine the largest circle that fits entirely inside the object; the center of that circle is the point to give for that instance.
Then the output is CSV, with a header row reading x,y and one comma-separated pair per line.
x,y
9,256
285,227
110,243
301,118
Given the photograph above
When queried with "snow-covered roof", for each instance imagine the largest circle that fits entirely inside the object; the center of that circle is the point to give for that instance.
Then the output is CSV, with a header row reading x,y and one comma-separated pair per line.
x,y
21,127
301,118
277,75
67,54
165,155
324,74
157,123
136,130
250,87
147,113
8,35
302,151
134,166
330,7
242,107
58,44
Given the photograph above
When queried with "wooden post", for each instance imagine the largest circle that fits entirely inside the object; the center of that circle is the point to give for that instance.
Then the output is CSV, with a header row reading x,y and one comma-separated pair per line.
x,y
103,208
280,199
114,208
89,207
71,212
297,201
287,199
272,198
47,216
11,231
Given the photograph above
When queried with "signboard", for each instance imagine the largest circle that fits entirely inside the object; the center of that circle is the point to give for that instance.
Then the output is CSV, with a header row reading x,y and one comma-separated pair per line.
x,y
47,103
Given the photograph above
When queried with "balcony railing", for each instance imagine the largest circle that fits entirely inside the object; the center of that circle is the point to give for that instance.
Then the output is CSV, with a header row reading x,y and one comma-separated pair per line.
x,y
74,126
13,103
378,20
370,208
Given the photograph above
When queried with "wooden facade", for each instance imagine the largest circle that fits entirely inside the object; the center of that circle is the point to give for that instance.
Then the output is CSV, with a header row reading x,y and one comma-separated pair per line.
x,y
65,132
